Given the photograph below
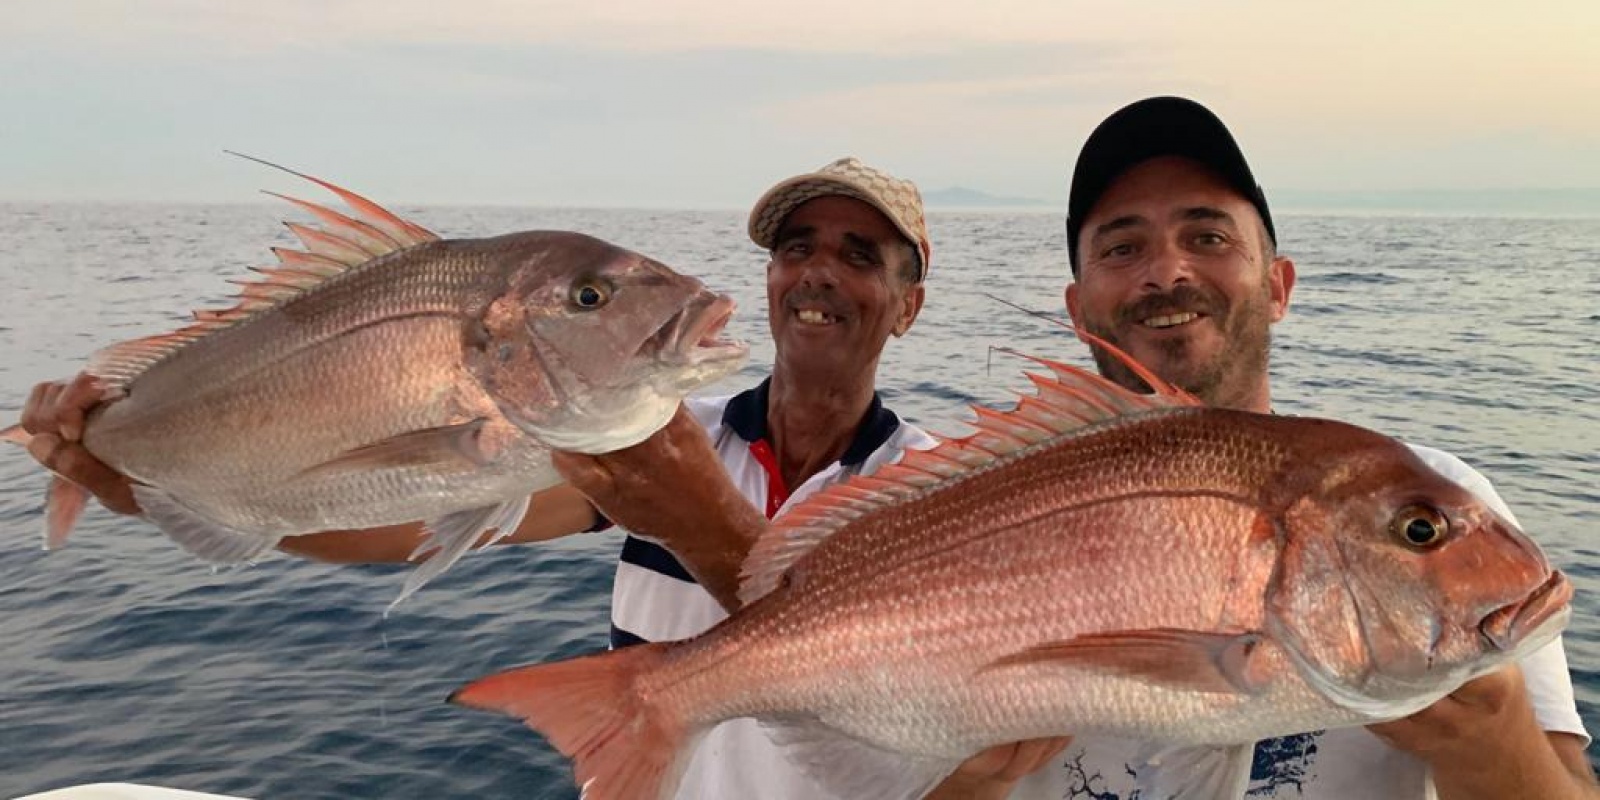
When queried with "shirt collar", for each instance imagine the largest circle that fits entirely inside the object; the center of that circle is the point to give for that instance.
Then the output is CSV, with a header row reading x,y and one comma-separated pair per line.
x,y
746,414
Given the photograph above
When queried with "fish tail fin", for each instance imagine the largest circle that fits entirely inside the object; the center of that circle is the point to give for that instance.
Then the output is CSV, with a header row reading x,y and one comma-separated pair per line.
x,y
63,500
15,435
622,746
64,503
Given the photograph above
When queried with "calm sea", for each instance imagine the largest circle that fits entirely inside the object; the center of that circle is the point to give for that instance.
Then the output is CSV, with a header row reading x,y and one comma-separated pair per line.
x,y
125,659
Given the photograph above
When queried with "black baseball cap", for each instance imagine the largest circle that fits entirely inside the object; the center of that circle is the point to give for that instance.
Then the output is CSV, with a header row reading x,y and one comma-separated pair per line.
x,y
1157,126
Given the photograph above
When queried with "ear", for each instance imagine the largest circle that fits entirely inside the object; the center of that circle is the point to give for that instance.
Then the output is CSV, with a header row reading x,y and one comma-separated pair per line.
x,y
1072,305
910,306
1280,275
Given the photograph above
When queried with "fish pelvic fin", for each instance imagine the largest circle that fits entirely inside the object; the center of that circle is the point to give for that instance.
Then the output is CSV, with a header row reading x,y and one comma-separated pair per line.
x,y
622,746
847,767
1065,402
1198,772
345,241
453,535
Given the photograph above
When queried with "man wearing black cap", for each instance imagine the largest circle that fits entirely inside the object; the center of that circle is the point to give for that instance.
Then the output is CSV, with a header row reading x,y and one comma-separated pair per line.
x,y
1174,259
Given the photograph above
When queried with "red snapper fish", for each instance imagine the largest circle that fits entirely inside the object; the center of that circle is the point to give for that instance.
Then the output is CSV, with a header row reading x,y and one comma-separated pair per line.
x,y
1093,562
383,375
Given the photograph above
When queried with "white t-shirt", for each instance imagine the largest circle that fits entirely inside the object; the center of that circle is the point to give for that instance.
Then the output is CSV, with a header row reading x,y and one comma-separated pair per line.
x,y
1341,764
655,600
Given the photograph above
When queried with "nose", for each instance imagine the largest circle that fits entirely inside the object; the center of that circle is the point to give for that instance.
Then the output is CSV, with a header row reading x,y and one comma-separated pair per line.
x,y
1168,265
819,271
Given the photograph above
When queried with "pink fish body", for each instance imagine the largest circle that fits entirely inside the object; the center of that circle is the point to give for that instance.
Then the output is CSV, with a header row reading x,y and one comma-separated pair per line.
x,y
384,375
1094,562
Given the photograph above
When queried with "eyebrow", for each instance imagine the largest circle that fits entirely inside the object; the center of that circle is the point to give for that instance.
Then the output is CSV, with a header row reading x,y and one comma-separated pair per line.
x,y
1205,213
864,243
789,233
1120,223
1187,215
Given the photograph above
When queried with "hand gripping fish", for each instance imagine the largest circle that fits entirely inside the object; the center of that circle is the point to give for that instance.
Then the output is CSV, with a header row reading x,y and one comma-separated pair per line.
x,y
383,375
1093,562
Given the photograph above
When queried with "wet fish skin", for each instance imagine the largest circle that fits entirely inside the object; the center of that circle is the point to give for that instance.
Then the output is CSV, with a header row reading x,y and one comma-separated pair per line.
x,y
1197,578
340,392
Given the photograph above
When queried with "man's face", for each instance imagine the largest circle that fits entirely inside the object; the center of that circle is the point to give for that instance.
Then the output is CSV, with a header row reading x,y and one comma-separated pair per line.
x,y
836,286
1175,271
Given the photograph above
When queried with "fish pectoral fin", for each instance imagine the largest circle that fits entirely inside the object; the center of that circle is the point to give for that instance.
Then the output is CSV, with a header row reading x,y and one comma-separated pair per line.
x,y
451,536
206,538
1203,661
449,446
1199,772
849,768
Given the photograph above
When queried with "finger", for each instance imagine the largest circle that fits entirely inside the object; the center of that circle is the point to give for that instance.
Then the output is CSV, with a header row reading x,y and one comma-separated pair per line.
x,y
106,484
1031,755
74,463
43,448
38,414
1491,691
82,394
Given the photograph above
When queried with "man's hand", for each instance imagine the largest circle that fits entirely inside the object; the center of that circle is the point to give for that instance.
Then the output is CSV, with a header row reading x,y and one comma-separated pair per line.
x,y
1483,740
54,417
991,774
672,488
1457,726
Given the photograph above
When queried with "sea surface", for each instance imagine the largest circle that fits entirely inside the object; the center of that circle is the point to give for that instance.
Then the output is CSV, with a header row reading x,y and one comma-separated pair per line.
x,y
122,658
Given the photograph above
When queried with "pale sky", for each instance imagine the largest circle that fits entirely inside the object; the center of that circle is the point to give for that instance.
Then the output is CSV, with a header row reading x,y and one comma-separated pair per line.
x,y
696,103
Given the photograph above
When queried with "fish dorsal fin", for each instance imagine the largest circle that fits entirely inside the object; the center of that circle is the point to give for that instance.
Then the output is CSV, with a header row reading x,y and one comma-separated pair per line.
x,y
345,242
1066,400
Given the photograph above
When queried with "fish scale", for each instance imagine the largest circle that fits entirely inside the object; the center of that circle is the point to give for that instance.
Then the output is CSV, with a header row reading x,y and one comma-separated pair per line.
x,y
1194,578
382,376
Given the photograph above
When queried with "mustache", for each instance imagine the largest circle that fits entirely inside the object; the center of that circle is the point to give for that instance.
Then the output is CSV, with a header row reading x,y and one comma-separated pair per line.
x,y
1183,298
822,299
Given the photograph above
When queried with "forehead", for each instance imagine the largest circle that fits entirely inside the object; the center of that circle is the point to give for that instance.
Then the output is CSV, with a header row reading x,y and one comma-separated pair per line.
x,y
842,213
1160,187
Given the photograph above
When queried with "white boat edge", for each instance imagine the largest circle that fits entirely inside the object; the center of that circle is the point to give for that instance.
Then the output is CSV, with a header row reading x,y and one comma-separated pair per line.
x,y
123,791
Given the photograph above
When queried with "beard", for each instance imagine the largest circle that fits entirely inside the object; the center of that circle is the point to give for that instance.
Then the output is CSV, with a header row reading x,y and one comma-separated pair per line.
x,y
1224,378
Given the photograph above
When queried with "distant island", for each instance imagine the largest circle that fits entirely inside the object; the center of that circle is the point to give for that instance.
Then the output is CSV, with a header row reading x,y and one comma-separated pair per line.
x,y
962,197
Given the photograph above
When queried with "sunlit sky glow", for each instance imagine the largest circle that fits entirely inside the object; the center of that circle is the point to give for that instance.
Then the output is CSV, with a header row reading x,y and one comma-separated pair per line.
x,y
690,103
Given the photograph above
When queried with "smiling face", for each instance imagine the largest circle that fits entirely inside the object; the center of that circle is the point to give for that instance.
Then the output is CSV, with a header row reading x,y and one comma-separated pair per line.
x,y
1176,270
840,281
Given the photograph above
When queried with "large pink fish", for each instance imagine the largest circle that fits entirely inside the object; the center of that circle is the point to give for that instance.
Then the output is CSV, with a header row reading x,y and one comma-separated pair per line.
x,y
384,375
1092,562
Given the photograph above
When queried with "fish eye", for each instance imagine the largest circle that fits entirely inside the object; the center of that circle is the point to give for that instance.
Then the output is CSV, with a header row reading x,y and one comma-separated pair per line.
x,y
590,295
1420,526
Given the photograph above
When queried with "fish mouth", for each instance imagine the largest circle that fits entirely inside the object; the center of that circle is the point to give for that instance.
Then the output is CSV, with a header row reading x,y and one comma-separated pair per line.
x,y
1540,615
695,334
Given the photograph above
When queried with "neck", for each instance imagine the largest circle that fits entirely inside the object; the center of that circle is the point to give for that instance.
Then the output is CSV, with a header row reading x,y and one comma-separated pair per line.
x,y
811,424
1257,399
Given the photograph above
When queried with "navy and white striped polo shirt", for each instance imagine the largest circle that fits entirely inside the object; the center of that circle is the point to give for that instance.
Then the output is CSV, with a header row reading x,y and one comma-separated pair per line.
x,y
654,599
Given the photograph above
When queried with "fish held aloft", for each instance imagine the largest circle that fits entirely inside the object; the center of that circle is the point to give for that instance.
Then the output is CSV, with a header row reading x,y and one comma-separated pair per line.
x,y
1094,562
383,375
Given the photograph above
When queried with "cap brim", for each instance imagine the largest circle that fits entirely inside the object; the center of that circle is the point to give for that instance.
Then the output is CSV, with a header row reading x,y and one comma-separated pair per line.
x,y
768,214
